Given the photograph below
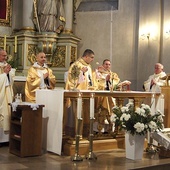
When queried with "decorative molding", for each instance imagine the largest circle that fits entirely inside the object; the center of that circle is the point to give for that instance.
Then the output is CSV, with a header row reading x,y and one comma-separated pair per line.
x,y
1,42
73,54
31,53
59,57
6,20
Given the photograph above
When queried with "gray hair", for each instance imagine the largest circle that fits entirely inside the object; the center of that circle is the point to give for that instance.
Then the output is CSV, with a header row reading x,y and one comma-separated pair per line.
x,y
160,65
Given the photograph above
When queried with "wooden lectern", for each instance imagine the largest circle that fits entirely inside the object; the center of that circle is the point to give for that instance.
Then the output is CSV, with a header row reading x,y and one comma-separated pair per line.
x,y
165,90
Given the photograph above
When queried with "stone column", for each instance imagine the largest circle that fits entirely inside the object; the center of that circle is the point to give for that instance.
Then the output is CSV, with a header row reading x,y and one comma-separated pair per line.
x,y
68,9
28,11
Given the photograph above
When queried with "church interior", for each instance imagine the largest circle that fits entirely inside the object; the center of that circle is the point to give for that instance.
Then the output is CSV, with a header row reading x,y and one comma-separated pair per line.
x,y
132,34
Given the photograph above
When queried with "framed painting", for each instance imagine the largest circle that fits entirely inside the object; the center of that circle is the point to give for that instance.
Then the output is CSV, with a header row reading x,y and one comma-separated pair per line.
x,y
5,12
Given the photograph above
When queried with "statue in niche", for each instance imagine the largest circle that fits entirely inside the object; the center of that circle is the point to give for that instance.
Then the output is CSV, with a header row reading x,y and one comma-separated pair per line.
x,y
49,15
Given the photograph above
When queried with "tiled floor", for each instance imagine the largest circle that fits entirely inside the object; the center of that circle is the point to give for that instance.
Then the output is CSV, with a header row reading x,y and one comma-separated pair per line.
x,y
106,160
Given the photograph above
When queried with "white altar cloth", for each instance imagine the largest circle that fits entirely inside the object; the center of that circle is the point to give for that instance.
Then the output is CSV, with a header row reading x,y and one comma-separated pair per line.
x,y
53,118
4,137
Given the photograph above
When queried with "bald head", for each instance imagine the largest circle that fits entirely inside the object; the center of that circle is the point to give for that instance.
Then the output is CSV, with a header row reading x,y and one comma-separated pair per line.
x,y
41,58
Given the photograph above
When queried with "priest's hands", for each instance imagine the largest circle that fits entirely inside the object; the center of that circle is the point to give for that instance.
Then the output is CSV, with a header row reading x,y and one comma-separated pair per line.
x,y
7,68
84,69
46,75
153,81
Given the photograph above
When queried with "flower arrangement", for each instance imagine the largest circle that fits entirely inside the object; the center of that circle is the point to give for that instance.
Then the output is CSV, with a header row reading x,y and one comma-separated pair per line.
x,y
137,121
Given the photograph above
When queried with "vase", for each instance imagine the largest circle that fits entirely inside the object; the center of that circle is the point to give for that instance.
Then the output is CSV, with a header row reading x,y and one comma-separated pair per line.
x,y
134,145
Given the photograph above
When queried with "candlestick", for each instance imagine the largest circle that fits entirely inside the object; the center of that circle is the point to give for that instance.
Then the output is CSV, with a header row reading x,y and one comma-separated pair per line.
x,y
5,42
79,106
92,107
15,50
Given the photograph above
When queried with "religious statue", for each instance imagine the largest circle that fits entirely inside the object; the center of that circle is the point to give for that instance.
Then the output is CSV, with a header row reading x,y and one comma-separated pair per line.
x,y
49,15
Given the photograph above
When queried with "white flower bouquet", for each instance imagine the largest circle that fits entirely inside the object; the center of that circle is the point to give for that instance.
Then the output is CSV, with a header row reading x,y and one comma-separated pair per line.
x,y
137,121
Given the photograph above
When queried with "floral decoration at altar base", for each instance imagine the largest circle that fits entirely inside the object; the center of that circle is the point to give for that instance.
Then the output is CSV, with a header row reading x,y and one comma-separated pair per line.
x,y
137,122
134,145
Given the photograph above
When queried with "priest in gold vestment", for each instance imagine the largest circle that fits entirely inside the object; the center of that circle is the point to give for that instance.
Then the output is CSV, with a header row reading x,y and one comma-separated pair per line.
x,y
79,77
105,79
6,90
39,77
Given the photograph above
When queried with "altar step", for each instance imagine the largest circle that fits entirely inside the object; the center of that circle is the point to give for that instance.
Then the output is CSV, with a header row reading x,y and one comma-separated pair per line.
x,y
98,145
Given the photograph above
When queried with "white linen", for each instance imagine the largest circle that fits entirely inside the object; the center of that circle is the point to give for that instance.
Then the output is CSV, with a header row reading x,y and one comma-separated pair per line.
x,y
4,137
52,118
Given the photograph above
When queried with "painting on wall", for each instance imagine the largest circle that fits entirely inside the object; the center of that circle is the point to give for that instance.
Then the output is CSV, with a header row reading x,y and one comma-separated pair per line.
x,y
5,12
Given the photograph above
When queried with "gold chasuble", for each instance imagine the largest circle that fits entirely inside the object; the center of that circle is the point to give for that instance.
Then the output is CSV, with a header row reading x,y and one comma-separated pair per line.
x,y
6,96
83,82
35,80
102,84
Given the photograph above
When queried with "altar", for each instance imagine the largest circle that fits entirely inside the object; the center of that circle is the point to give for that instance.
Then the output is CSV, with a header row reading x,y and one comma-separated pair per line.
x,y
54,110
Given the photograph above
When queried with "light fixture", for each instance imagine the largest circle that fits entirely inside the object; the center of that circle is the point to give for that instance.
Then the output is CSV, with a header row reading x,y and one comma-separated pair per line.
x,y
167,34
148,32
145,36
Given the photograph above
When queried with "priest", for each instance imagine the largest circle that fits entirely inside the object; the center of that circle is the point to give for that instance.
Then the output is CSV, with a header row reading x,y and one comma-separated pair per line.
x,y
155,81
80,77
39,77
6,94
105,79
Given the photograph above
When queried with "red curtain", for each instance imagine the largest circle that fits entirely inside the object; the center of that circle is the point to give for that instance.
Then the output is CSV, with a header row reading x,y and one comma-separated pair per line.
x,y
3,5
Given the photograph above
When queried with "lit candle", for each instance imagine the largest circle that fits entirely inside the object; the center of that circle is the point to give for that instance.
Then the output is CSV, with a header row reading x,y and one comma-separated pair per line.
x,y
5,42
92,107
15,50
79,107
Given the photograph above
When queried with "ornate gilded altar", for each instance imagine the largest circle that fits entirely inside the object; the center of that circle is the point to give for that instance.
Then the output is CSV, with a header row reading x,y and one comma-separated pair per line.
x,y
102,141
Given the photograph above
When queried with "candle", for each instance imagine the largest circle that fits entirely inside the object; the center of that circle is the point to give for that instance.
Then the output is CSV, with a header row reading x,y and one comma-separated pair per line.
x,y
5,42
15,50
162,104
79,107
153,104
92,107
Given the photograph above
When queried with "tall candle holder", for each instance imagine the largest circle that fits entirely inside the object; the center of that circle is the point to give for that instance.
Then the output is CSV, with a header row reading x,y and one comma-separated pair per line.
x,y
76,156
91,155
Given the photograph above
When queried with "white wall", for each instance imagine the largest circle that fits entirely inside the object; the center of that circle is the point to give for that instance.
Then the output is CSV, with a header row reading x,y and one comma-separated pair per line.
x,y
133,57
94,30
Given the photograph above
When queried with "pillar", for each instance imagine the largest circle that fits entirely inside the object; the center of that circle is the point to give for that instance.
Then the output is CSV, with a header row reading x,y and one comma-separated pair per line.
x,y
68,8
